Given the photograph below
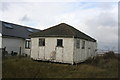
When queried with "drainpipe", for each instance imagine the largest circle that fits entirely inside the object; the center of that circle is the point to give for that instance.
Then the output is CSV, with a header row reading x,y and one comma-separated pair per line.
x,y
20,51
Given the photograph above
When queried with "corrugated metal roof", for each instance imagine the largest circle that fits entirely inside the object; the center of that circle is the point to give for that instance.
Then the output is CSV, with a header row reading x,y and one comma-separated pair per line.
x,y
62,30
14,30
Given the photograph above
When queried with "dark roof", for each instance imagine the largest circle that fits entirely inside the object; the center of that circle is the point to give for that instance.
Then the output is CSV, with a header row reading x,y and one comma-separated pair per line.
x,y
62,30
14,30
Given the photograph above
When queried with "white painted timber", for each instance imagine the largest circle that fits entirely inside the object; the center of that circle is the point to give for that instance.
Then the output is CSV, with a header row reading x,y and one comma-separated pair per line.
x,y
34,48
51,52
41,53
80,54
66,54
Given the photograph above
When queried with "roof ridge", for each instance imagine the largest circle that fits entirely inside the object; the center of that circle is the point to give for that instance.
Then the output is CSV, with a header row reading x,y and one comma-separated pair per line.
x,y
63,30
18,25
80,32
69,27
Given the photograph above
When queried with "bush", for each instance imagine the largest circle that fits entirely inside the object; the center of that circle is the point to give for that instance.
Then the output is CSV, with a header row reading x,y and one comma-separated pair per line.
x,y
98,61
93,61
109,55
4,53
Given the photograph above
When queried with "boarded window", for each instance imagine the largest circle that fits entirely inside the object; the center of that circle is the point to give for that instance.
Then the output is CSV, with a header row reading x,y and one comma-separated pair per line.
x,y
41,42
83,44
78,43
27,44
59,42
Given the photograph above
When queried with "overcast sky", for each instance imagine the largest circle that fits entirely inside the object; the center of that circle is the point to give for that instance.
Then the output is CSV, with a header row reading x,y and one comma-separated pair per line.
x,y
97,19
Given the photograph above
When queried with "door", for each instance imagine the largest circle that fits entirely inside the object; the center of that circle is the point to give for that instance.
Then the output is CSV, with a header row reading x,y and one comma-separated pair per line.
x,y
59,50
59,54
41,54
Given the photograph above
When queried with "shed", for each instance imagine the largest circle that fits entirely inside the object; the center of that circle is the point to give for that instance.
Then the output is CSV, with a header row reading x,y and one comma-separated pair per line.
x,y
62,43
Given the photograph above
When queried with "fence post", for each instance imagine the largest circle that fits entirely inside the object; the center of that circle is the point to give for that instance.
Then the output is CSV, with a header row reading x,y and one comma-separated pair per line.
x,y
4,49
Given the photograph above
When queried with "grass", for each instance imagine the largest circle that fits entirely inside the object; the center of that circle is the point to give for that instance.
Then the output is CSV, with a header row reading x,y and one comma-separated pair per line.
x,y
23,67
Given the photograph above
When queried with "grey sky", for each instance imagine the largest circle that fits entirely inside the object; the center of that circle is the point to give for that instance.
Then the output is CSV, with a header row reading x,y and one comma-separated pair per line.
x,y
97,19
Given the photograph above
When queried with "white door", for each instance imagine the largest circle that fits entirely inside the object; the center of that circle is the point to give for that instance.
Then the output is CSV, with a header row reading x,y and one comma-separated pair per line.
x,y
59,54
41,53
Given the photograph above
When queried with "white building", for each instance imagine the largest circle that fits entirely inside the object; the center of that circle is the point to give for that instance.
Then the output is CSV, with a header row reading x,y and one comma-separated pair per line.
x,y
62,43
15,38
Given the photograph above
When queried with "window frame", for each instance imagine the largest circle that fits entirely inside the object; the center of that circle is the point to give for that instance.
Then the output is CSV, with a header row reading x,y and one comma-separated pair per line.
x,y
41,42
78,43
27,44
83,45
59,42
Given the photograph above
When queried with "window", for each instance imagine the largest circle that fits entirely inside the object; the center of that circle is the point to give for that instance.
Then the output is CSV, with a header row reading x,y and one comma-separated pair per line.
x,y
27,44
41,42
83,44
59,43
78,43
8,26
30,30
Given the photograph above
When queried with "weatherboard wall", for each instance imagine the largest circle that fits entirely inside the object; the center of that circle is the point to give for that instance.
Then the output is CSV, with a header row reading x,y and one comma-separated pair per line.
x,y
80,54
51,52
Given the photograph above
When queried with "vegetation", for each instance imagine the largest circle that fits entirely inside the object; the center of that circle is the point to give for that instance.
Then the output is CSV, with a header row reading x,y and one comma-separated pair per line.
x,y
23,67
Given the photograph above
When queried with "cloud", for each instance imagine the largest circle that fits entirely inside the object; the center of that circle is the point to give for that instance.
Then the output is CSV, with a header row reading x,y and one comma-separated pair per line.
x,y
59,0
99,20
102,24
4,6
103,19
25,18
104,27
